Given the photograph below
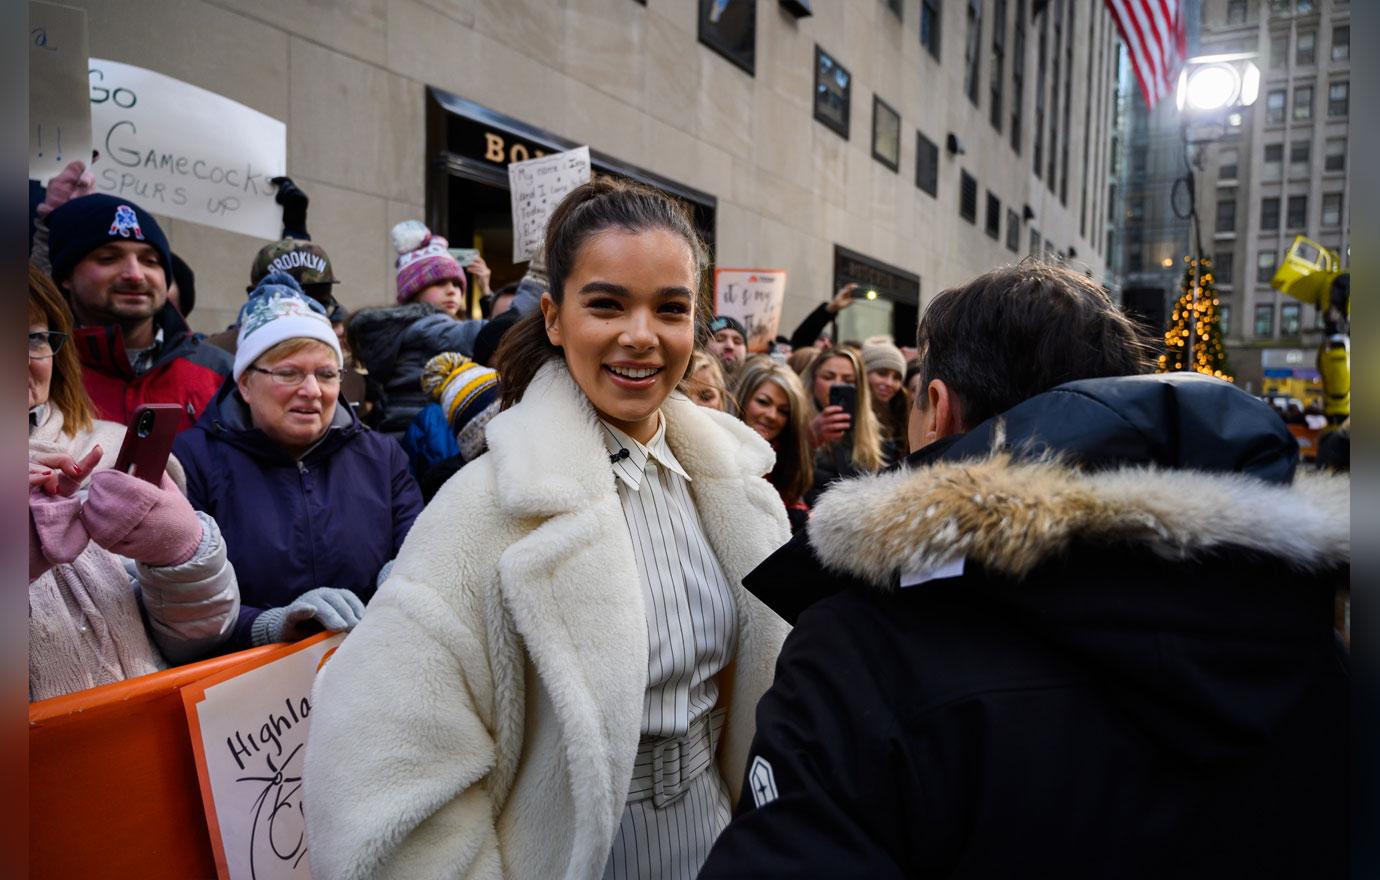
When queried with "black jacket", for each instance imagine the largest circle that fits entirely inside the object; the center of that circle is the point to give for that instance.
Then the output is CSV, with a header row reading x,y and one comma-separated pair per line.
x,y
1133,675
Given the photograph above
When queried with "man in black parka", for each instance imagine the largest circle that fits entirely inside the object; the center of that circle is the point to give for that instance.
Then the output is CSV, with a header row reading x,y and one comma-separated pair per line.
x,y
1085,631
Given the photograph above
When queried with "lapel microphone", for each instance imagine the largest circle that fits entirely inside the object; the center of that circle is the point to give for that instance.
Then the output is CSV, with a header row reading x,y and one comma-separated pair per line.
x,y
620,455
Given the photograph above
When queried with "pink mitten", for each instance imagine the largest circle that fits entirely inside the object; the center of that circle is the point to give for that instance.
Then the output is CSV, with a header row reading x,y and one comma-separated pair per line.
x,y
150,524
56,533
72,182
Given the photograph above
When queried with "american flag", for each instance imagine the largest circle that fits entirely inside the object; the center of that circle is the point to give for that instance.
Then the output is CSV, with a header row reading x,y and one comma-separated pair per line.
x,y
1153,31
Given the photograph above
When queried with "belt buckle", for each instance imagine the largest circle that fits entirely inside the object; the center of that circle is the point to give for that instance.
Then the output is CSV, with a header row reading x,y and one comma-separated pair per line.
x,y
668,773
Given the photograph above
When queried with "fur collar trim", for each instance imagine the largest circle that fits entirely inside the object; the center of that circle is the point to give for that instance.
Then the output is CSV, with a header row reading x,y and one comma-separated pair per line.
x,y
1010,516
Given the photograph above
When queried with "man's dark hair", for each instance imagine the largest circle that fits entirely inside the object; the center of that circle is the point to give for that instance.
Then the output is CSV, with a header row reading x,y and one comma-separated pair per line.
x,y
1020,330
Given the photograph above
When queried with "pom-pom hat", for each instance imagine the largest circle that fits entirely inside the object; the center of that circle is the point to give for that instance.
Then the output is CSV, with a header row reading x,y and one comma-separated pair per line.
x,y
423,259
468,393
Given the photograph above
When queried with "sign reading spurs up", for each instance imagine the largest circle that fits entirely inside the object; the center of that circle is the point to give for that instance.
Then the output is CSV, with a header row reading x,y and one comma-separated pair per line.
x,y
182,151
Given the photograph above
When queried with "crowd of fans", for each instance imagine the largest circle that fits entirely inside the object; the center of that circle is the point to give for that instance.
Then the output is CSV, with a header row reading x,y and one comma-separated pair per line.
x,y
314,441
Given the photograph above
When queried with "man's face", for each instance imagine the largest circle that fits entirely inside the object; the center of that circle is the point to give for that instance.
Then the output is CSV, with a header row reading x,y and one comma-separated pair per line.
x,y
121,282
729,345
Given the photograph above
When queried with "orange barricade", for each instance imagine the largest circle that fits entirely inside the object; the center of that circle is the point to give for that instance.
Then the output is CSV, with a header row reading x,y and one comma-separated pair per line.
x,y
113,788
1308,440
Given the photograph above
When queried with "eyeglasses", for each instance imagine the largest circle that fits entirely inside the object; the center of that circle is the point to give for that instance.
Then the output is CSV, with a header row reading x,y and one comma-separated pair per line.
x,y
289,377
45,344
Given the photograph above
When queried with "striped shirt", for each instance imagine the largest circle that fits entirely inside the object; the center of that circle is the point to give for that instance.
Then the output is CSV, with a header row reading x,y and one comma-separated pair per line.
x,y
677,802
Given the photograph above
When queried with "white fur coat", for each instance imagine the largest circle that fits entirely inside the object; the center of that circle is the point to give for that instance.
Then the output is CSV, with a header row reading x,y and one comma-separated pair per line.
x,y
483,719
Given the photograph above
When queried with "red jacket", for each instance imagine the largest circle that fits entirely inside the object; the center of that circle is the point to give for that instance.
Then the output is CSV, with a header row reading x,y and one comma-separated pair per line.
x,y
185,370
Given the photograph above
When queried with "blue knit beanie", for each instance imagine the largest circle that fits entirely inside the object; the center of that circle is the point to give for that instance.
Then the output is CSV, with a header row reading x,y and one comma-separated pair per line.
x,y
82,225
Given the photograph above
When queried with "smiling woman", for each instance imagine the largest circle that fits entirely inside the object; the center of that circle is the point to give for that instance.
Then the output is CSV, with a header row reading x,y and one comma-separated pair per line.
x,y
593,618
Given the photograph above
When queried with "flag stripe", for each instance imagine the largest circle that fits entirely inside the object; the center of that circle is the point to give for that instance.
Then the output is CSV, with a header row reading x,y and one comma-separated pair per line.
x,y
1153,31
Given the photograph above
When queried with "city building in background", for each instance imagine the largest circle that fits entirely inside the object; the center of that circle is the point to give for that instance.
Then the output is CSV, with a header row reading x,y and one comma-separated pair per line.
x,y
1282,173
905,144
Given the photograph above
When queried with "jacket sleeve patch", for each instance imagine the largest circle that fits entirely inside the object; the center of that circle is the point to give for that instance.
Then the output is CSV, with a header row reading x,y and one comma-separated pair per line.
x,y
762,781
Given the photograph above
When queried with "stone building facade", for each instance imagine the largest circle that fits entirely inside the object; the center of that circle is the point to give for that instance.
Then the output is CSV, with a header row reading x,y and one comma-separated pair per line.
x,y
907,144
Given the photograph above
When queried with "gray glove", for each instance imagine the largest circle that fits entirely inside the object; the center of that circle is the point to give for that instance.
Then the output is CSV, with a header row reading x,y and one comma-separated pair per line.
x,y
322,608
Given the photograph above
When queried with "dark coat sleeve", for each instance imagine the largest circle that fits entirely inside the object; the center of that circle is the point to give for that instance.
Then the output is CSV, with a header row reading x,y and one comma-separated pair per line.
x,y
407,498
837,768
810,328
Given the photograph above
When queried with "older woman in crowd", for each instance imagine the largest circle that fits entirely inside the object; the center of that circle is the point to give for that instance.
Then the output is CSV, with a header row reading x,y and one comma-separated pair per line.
x,y
772,402
314,505
90,621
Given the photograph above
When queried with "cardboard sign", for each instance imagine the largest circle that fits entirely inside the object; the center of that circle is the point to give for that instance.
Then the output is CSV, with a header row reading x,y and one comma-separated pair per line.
x,y
249,735
59,114
755,297
179,150
537,187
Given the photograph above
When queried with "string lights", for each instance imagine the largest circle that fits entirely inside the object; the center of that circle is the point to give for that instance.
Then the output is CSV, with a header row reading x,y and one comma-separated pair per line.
x,y
1196,309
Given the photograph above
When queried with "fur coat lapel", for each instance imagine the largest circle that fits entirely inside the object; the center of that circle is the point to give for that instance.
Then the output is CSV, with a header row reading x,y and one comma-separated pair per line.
x,y
571,582
1011,516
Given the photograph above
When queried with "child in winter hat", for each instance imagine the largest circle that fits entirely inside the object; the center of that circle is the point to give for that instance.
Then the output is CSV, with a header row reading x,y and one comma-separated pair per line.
x,y
424,261
468,394
279,310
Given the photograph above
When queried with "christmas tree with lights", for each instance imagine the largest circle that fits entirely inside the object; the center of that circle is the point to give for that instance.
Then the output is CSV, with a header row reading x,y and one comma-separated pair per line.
x,y
1200,314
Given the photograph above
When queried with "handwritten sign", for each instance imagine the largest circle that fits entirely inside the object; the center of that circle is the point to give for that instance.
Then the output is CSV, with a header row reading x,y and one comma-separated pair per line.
x,y
179,150
755,297
249,735
59,116
537,187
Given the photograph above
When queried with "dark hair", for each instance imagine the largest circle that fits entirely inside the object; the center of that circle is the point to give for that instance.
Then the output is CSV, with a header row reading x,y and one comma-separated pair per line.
x,y
603,203
1020,330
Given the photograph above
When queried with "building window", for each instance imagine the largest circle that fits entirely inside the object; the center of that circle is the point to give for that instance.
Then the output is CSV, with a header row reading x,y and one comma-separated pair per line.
x,y
1135,208
1303,103
894,6
1224,318
1305,47
967,197
1226,210
1341,43
1279,50
1018,77
729,27
972,57
886,134
833,92
993,216
926,164
1013,231
1338,98
1305,7
1274,107
1135,259
1297,217
1034,242
998,62
1335,157
1264,267
1300,154
1227,161
929,26
1222,268
1236,11
1269,214
1273,166
1041,68
1289,319
1265,320
1332,210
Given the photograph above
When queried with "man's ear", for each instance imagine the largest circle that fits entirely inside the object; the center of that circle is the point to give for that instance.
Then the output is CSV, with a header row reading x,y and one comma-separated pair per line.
x,y
549,311
945,418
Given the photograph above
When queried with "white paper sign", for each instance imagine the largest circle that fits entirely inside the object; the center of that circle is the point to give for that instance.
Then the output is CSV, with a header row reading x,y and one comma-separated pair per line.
x,y
251,735
59,114
179,150
755,297
537,187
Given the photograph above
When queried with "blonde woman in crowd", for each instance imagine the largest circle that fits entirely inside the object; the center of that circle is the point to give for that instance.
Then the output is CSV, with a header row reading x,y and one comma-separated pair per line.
x,y
846,444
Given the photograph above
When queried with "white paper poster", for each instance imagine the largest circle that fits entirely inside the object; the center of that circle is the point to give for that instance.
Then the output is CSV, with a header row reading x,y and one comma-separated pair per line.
x,y
755,297
249,734
176,149
59,114
537,187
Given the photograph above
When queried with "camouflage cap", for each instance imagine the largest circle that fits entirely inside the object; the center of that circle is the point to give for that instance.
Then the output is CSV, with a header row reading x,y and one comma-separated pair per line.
x,y
306,262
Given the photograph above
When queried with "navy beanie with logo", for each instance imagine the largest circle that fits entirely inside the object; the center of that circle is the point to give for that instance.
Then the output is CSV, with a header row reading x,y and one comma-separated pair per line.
x,y
82,225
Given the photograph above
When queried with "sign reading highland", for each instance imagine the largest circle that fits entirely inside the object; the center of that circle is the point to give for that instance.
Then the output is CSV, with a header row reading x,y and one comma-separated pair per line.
x,y
178,150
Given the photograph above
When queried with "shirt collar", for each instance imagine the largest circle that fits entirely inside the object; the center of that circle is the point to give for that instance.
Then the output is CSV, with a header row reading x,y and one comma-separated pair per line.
x,y
630,468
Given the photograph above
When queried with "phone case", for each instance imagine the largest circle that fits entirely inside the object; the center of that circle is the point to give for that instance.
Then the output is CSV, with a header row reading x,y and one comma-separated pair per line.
x,y
148,441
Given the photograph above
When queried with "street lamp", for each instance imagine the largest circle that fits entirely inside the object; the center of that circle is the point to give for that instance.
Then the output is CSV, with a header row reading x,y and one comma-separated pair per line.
x,y
1213,89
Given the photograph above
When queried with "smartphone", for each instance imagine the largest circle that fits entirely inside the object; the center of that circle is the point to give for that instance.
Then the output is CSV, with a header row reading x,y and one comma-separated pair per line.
x,y
464,256
844,395
148,441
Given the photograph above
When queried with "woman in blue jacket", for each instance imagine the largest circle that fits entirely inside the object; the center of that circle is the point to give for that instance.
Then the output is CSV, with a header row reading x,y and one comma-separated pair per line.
x,y
312,503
